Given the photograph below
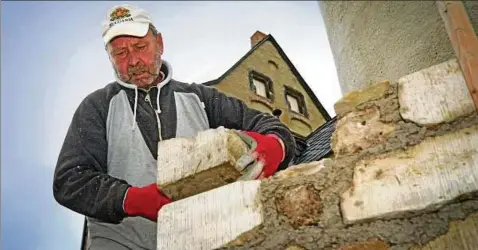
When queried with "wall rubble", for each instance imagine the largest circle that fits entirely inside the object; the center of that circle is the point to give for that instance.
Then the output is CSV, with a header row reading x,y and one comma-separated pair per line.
x,y
398,179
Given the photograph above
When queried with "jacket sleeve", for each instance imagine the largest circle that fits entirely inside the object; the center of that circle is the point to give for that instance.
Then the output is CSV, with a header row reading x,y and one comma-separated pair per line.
x,y
80,181
232,113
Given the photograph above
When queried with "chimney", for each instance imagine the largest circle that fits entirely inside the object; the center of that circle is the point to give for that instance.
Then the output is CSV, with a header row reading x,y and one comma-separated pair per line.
x,y
256,38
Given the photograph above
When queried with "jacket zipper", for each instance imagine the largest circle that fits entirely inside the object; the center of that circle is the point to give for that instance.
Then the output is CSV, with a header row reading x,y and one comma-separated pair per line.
x,y
148,100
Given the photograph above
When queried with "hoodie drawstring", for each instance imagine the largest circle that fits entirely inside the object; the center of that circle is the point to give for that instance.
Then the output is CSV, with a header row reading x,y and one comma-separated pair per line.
x,y
135,106
166,79
158,111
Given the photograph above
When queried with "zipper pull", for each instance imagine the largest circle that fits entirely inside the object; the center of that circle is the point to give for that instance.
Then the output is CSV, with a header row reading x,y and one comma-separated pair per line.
x,y
147,98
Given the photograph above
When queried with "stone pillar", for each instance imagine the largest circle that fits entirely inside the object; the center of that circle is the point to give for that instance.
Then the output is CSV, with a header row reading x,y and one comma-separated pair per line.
x,y
374,41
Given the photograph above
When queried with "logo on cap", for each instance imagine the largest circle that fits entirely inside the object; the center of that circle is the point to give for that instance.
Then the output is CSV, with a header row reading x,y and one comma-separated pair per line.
x,y
119,13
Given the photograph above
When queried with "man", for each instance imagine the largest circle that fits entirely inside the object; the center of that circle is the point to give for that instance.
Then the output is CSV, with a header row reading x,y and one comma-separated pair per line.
x,y
106,169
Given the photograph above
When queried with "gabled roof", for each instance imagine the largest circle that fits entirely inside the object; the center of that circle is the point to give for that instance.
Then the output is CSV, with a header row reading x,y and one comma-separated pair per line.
x,y
317,143
296,73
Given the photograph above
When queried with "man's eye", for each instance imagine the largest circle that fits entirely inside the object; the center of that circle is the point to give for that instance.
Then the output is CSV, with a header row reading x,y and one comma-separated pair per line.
x,y
141,46
120,53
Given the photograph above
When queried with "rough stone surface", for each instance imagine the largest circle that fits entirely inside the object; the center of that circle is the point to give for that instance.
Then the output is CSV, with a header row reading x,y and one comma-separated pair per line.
x,y
364,49
461,235
359,130
350,100
301,205
303,169
388,105
294,247
188,166
434,95
372,244
330,233
212,219
423,177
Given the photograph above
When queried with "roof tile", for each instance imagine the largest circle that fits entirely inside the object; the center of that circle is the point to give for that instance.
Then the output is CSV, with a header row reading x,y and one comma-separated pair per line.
x,y
318,144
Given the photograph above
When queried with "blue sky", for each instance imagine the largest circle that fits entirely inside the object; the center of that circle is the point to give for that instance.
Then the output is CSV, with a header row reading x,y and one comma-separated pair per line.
x,y
52,56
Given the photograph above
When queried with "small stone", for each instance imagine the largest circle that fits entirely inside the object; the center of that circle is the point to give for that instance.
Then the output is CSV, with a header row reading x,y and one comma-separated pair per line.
x,y
373,244
192,165
419,179
352,99
294,247
359,130
435,95
301,205
303,169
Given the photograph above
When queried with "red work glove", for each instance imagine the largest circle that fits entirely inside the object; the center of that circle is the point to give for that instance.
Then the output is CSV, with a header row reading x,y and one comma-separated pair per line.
x,y
264,158
145,201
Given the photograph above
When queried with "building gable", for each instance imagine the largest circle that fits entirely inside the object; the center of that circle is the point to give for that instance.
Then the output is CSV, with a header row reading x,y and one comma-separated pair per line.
x,y
281,90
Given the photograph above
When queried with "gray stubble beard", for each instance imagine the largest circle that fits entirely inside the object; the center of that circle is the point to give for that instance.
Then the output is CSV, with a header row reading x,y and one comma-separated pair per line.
x,y
126,77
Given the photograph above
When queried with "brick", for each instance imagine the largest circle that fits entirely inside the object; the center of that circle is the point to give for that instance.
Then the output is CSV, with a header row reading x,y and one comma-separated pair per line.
x,y
462,234
212,219
420,178
359,130
301,205
435,95
192,165
372,244
354,98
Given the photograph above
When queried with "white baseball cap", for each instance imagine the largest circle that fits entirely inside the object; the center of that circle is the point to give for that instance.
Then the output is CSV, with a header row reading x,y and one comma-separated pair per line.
x,y
125,20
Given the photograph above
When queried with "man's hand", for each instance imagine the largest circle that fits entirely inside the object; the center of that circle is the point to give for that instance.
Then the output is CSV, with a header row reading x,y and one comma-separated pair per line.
x,y
145,201
262,161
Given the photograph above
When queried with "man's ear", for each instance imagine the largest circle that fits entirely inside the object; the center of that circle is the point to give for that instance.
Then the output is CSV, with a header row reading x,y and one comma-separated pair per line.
x,y
159,42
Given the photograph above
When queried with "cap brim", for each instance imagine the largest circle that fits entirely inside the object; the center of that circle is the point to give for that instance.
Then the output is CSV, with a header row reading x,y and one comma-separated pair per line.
x,y
126,29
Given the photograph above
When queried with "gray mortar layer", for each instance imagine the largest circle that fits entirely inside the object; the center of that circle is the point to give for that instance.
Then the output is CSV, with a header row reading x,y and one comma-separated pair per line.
x,y
330,232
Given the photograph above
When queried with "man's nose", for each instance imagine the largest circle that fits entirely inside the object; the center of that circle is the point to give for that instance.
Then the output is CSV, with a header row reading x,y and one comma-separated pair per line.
x,y
133,59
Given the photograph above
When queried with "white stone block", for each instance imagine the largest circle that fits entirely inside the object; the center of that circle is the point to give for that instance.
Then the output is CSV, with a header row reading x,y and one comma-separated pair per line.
x,y
212,219
434,95
188,166
304,169
359,130
423,177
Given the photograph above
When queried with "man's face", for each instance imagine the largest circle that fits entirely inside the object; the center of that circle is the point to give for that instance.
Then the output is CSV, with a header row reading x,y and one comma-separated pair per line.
x,y
137,60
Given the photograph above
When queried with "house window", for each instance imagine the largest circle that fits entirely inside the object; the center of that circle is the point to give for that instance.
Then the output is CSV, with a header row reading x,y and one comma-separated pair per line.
x,y
260,87
295,101
261,84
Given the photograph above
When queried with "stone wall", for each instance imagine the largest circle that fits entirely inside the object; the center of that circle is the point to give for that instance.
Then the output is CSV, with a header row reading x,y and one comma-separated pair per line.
x,y
404,176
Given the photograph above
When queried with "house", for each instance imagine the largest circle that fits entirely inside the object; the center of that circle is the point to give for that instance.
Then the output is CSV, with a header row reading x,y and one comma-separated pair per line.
x,y
266,80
